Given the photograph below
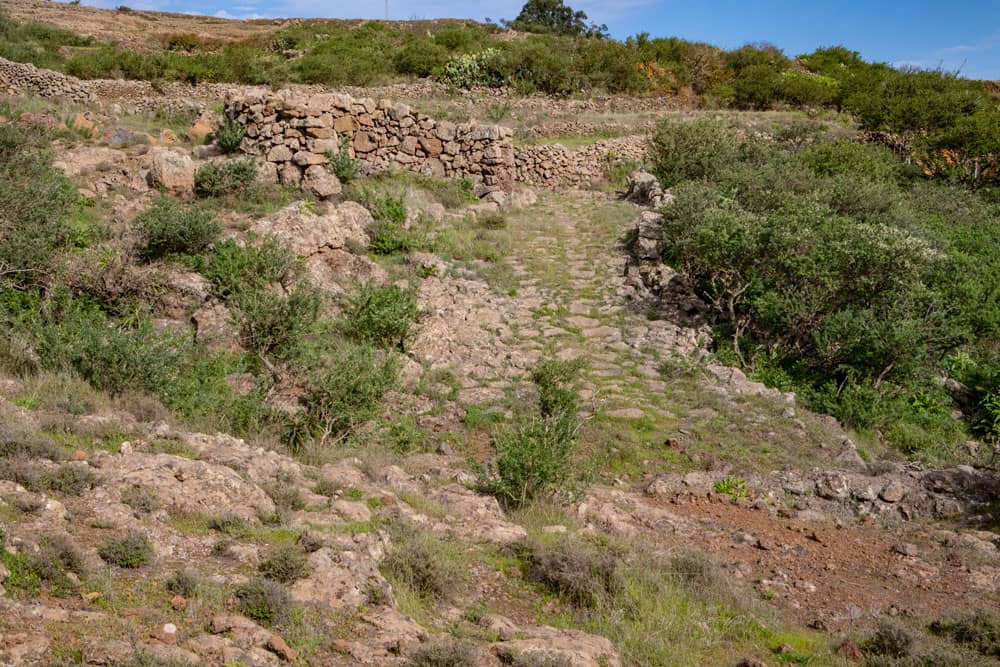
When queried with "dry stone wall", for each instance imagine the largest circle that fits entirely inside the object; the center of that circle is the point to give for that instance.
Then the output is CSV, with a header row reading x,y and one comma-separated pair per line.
x,y
26,79
553,165
294,133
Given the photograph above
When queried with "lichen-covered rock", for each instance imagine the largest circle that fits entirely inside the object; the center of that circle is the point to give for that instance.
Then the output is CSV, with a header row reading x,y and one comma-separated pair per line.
x,y
189,487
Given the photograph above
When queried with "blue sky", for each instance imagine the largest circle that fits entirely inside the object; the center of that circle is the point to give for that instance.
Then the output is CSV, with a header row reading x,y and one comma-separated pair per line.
x,y
962,34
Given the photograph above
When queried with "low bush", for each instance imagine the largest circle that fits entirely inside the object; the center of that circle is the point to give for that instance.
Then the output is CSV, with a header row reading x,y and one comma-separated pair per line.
x,y
264,601
131,551
183,583
169,227
285,564
254,265
71,479
222,179
271,322
380,315
979,630
443,653
582,572
230,524
422,564
141,499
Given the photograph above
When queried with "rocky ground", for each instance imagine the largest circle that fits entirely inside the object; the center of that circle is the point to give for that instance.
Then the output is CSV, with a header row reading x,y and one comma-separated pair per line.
x,y
809,531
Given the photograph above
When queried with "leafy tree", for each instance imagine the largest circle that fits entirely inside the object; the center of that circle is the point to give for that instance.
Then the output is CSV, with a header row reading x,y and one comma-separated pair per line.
x,y
555,17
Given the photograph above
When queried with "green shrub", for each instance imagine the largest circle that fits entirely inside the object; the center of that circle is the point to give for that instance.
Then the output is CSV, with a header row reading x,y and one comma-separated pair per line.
x,y
381,316
422,56
253,266
285,564
534,453
346,387
343,165
229,135
845,158
131,551
172,228
388,235
31,236
221,179
271,322
264,601
693,150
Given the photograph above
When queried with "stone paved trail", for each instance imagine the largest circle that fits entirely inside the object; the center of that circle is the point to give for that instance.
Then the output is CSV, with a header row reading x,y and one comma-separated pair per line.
x,y
566,251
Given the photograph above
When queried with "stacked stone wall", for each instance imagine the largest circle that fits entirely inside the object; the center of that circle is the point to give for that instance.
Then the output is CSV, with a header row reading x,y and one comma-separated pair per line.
x,y
26,79
294,133
553,165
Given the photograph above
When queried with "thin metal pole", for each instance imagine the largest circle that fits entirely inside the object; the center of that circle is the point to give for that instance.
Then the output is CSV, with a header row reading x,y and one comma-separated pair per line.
x,y
386,10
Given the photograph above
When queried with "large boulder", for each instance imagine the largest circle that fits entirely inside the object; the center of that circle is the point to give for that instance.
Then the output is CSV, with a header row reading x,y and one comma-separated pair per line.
x,y
172,170
319,181
189,487
308,233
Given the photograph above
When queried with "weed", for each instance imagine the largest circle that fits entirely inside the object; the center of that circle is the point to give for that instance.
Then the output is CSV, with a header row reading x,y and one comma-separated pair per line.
x,y
582,572
979,630
423,565
732,487
141,499
443,653
343,165
72,479
534,453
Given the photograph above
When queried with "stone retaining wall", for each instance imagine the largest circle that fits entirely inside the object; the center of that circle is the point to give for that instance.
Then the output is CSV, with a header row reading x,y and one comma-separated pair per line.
x,y
553,165
294,132
26,79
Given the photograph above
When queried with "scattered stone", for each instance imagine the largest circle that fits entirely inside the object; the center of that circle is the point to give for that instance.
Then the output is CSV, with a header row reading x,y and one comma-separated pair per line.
x,y
905,549
278,645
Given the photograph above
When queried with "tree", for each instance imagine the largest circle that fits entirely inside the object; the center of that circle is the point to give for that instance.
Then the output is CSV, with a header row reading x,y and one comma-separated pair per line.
x,y
554,17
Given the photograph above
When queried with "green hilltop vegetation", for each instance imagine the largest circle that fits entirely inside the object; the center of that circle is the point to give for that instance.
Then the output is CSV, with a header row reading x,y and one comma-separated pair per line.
x,y
560,55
